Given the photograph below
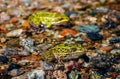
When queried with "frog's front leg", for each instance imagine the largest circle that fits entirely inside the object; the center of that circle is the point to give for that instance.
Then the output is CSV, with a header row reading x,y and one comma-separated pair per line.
x,y
39,29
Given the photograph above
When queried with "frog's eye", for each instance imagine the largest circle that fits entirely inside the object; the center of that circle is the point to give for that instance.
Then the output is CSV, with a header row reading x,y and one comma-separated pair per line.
x,y
42,25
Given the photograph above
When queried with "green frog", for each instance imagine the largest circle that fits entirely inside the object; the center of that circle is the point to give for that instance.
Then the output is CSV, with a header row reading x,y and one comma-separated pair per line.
x,y
64,51
95,75
47,18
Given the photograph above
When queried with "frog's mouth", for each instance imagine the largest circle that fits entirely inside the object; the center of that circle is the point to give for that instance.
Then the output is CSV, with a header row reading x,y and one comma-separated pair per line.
x,y
60,23
64,24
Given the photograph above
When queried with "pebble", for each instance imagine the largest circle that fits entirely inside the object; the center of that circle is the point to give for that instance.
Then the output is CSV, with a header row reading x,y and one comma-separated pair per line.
x,y
58,9
4,17
102,9
47,66
27,44
79,40
85,38
88,28
2,28
13,66
68,31
14,20
24,53
2,40
39,74
117,32
117,45
94,36
69,13
14,33
110,24
3,59
93,20
106,48
23,62
114,40
59,74
15,72
25,24
114,51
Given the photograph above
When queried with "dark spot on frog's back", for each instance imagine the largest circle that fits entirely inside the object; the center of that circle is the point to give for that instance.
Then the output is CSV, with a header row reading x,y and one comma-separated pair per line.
x,y
73,49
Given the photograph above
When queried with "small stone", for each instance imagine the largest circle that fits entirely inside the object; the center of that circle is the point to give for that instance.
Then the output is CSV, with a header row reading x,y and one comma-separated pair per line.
x,y
4,17
92,20
117,32
24,53
38,74
33,57
67,32
69,13
106,34
67,5
2,40
23,62
47,66
3,59
28,44
9,26
25,24
114,51
94,36
59,74
2,27
106,48
88,28
101,9
58,9
73,16
110,24
15,72
114,40
103,19
117,45
84,38
79,40
14,33
14,19
13,66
